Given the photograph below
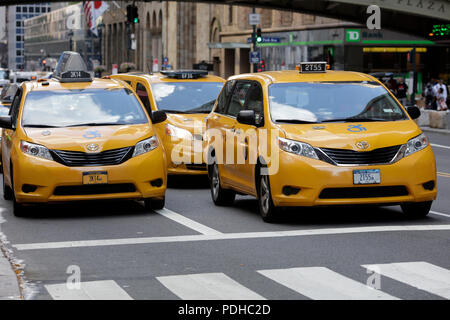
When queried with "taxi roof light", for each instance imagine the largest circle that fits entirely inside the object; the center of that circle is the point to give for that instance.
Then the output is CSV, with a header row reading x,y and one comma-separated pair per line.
x,y
185,74
313,67
71,68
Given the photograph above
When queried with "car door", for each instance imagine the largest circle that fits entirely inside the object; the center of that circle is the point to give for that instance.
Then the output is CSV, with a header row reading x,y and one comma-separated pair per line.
x,y
247,140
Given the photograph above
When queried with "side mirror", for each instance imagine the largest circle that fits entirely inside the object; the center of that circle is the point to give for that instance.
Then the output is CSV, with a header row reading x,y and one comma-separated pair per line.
x,y
246,117
413,112
5,122
158,116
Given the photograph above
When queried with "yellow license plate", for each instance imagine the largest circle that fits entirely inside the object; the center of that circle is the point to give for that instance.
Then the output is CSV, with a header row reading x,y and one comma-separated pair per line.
x,y
97,177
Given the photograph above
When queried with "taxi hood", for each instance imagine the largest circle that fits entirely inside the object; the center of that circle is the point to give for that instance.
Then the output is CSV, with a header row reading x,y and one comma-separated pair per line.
x,y
188,121
77,138
346,135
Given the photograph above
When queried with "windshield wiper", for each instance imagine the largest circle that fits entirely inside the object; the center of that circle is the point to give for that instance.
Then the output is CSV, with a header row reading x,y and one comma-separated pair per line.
x,y
94,124
39,126
355,120
295,121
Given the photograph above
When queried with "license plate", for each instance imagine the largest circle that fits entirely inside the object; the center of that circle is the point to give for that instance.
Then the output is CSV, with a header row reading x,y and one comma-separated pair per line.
x,y
95,177
371,176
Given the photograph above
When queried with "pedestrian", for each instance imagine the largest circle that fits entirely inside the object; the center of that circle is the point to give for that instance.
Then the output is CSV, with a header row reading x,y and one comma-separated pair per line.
x,y
441,101
440,85
392,85
428,93
402,89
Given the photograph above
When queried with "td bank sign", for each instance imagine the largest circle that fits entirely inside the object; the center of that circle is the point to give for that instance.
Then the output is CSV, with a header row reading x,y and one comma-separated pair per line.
x,y
353,35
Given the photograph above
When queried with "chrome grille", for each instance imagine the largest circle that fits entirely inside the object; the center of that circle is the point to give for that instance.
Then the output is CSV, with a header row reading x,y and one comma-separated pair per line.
x,y
350,157
83,159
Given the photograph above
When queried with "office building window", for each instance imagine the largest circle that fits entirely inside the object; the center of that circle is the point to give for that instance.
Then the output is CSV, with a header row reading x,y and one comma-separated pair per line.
x,y
18,9
25,9
31,9
38,9
18,38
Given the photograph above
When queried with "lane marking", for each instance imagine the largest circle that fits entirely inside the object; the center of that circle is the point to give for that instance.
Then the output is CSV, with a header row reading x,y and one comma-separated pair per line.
x,y
439,145
443,174
321,283
91,290
421,275
191,224
226,236
440,214
208,286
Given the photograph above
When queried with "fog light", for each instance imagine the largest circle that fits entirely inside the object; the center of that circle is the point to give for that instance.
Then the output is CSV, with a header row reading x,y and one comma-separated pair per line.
x,y
288,190
27,188
156,182
429,185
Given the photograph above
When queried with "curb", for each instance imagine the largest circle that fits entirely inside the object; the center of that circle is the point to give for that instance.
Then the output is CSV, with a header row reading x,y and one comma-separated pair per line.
x,y
9,286
441,131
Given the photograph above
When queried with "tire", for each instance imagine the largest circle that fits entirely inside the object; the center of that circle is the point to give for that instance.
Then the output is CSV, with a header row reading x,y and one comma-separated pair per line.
x,y
7,191
155,203
267,210
219,195
416,209
18,209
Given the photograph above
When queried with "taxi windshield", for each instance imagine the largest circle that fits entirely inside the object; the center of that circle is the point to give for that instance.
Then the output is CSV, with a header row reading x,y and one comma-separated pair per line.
x,y
186,97
302,102
82,107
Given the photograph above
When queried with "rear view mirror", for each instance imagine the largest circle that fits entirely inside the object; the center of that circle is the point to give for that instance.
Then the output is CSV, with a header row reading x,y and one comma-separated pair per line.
x,y
5,122
413,112
246,117
158,116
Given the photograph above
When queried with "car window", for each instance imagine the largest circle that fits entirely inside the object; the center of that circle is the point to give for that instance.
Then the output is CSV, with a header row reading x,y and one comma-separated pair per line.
x,y
238,98
142,93
224,97
78,107
14,111
255,102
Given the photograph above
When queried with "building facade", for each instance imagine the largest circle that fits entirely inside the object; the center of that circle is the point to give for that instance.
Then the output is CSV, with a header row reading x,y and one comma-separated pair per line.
x,y
16,15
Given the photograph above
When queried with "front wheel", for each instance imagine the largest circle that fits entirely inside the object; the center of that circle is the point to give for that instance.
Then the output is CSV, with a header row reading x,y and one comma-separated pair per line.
x,y
416,209
154,203
267,209
220,196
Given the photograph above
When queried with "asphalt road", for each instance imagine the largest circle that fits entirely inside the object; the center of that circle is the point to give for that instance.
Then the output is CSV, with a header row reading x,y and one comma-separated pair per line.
x,y
194,250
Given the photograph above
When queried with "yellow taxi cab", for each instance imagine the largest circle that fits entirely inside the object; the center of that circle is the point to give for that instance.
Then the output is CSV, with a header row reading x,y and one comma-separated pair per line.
x,y
187,97
76,138
322,138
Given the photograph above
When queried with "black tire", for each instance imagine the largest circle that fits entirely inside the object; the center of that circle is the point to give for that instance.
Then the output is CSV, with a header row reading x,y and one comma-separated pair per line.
x,y
219,195
267,210
416,209
155,203
18,209
7,191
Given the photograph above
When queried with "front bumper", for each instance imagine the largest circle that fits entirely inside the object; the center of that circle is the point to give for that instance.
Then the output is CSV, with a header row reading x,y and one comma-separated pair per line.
x,y
183,157
47,175
313,176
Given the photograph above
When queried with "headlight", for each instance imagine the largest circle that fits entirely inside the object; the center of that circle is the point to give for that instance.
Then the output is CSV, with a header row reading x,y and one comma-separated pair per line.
x,y
416,144
145,146
177,132
297,147
35,150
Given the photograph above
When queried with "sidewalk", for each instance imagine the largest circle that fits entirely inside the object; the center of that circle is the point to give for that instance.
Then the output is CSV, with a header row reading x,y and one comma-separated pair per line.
x,y
441,131
9,286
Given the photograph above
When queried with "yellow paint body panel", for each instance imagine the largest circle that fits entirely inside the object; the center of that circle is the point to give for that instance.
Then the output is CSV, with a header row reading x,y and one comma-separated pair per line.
x,y
189,122
49,174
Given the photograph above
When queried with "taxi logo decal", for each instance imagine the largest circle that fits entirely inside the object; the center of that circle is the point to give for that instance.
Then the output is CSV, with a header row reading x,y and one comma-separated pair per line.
x,y
356,128
92,134
92,147
362,145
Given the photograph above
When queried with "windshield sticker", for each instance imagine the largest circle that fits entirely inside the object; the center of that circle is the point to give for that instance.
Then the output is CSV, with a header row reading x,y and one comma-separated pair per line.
x,y
356,128
92,134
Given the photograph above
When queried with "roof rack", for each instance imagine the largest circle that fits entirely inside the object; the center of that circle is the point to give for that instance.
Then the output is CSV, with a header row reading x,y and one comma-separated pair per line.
x,y
185,74
71,68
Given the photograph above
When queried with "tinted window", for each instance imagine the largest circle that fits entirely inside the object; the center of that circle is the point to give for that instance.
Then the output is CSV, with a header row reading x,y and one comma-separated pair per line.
x,y
143,95
255,102
317,102
238,98
80,107
224,96
186,97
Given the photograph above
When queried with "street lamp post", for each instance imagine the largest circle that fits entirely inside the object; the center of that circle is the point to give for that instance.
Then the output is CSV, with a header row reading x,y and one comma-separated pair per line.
x,y
70,35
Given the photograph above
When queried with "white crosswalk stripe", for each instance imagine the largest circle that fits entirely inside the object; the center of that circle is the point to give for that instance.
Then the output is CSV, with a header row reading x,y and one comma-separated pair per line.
x,y
321,283
422,275
207,286
91,290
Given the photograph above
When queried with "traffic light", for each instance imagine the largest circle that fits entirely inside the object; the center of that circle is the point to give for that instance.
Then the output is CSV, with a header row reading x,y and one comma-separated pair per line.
x,y
132,14
261,65
258,35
